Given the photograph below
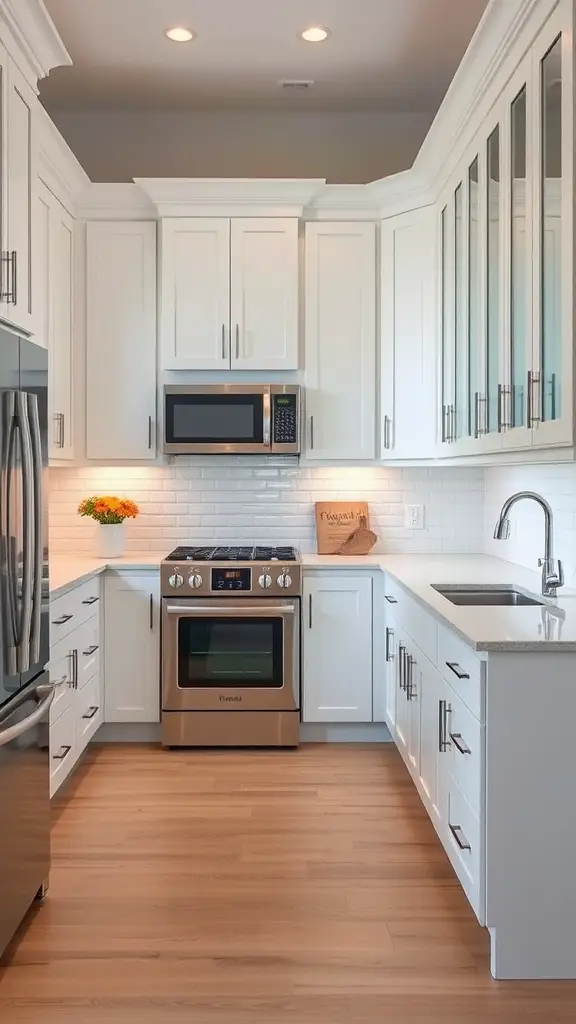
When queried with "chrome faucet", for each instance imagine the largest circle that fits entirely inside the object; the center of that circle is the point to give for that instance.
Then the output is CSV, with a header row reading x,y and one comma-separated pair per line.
x,y
552,571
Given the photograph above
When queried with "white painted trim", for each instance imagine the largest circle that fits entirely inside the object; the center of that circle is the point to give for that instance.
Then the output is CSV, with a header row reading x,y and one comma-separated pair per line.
x,y
115,201
230,197
315,732
38,45
57,166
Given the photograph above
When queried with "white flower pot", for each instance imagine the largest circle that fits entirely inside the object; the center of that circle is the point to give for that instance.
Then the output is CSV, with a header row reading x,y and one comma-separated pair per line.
x,y
111,540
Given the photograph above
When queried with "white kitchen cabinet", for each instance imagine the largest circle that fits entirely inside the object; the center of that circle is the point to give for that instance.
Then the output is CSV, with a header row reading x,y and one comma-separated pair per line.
x,y
340,341
264,293
53,294
337,648
132,648
195,293
408,335
434,740
19,206
121,340
229,293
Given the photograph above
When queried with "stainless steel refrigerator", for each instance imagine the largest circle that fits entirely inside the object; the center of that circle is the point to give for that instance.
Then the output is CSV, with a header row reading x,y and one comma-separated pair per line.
x,y
25,691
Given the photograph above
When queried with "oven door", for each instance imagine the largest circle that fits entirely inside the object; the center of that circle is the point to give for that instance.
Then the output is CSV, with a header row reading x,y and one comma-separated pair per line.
x,y
241,654
217,419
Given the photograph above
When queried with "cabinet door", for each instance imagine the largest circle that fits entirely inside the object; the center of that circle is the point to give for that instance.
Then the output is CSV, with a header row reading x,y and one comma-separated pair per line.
x,y
21,209
195,293
402,708
264,293
413,693
337,649
433,726
132,649
408,366
120,340
60,345
391,670
340,344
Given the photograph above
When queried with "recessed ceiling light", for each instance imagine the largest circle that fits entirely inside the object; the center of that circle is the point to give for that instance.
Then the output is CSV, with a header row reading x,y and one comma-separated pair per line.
x,y
180,34
315,34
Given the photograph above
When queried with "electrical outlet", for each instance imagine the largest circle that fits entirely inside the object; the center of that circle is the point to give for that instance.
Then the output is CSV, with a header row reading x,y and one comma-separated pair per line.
x,y
414,517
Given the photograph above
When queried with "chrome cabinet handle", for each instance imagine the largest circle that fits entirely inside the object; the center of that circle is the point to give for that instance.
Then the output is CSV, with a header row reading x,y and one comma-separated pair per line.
x,y
310,611
387,432
457,832
411,693
391,600
452,423
504,408
150,432
75,667
90,650
402,667
151,611
442,726
311,432
237,341
66,750
389,640
92,711
14,291
223,341
444,424
62,620
62,430
457,670
533,380
91,600
459,743
10,293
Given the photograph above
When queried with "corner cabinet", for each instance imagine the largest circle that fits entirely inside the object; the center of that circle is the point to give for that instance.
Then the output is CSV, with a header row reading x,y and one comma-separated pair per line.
x,y
229,293
53,294
132,649
408,335
340,341
337,648
506,225
121,340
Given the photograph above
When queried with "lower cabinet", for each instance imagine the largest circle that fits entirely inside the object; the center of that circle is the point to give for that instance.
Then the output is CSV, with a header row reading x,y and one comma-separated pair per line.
x,y
337,648
132,650
77,710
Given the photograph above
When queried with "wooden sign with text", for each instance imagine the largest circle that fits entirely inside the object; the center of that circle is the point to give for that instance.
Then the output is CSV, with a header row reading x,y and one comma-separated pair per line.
x,y
343,528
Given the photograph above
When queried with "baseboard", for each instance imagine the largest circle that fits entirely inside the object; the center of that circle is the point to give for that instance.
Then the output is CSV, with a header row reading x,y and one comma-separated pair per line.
x,y
310,732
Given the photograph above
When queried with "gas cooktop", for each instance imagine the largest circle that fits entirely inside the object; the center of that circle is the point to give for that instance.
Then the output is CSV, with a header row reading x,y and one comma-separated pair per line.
x,y
233,554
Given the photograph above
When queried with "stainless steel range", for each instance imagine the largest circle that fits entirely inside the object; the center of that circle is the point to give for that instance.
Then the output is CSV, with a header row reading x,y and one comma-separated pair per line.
x,y
231,646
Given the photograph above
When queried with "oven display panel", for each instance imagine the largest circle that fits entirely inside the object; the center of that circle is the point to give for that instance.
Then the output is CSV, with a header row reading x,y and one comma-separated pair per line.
x,y
231,579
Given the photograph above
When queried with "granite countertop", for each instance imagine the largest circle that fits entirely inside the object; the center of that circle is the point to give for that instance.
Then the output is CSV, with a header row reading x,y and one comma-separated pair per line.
x,y
531,628
528,628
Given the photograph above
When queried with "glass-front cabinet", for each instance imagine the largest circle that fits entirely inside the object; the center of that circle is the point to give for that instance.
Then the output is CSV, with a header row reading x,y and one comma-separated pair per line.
x,y
505,266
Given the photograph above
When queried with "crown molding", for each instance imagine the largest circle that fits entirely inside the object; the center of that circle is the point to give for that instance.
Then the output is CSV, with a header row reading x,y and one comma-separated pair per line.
x,y
230,197
109,201
35,36
57,166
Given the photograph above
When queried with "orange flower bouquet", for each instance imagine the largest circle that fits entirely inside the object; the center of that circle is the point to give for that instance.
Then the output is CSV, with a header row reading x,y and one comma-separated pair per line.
x,y
110,512
107,510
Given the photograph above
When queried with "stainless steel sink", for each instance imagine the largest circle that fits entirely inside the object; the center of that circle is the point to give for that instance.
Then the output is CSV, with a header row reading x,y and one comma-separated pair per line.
x,y
494,596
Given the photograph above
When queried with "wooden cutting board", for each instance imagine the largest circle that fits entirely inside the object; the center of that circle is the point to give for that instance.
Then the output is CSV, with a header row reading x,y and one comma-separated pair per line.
x,y
342,528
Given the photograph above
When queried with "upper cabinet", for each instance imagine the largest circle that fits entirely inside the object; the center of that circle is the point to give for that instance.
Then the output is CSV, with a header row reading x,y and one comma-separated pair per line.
x,y
408,335
506,281
121,340
229,293
340,341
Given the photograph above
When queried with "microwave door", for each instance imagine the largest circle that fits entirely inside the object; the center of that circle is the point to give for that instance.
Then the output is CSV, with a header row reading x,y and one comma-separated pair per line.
x,y
208,421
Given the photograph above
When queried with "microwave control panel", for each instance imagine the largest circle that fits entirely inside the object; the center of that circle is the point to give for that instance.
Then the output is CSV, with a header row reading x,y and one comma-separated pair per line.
x,y
284,419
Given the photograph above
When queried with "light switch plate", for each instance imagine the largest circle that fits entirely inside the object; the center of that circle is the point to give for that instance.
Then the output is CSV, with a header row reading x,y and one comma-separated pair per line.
x,y
414,517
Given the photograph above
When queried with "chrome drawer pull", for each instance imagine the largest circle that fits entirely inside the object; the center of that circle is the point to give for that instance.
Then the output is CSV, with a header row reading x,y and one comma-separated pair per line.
x,y
389,641
457,670
459,743
456,831
391,600
92,711
90,650
444,709
62,620
90,600
60,757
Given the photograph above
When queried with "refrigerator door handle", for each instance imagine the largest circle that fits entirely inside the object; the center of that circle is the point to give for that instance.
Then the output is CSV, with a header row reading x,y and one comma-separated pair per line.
x,y
46,693
28,520
10,609
38,540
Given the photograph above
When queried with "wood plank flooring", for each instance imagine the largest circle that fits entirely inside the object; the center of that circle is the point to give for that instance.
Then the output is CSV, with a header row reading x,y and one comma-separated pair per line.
x,y
302,887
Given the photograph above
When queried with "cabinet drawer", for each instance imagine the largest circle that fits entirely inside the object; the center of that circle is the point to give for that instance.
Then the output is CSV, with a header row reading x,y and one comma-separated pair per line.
x,y
87,643
418,623
462,669
61,667
464,847
62,749
465,759
89,712
71,610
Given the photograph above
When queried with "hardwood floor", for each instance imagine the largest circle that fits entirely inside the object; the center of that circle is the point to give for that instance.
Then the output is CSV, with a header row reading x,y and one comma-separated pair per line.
x,y
251,887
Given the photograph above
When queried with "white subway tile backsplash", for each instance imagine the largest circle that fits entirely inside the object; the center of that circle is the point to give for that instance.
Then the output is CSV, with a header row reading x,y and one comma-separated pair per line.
x,y
251,499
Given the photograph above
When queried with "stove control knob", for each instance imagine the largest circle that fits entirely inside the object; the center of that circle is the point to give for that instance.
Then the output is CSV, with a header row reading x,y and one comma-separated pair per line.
x,y
195,580
285,579
265,580
176,580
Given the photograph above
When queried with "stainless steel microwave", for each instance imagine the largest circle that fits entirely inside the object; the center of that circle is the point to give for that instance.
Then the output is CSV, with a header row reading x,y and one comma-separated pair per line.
x,y
232,419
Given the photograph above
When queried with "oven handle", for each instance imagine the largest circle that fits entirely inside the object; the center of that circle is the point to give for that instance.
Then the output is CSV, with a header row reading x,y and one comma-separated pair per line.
x,y
214,610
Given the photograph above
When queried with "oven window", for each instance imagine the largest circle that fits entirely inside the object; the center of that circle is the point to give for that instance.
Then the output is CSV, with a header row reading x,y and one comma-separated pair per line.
x,y
214,419
226,651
